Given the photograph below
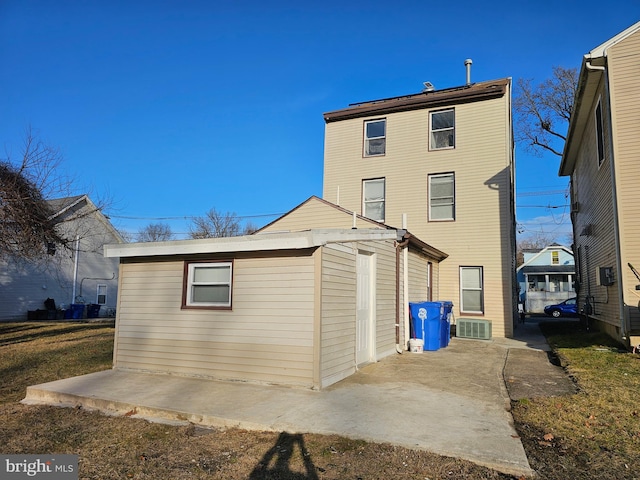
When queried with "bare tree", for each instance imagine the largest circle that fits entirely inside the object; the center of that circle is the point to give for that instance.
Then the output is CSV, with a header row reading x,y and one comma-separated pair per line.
x,y
215,224
155,232
28,228
537,242
543,111
250,228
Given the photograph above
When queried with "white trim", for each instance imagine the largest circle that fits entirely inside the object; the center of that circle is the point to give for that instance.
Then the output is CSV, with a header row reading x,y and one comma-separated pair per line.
x,y
191,282
249,243
367,139
481,289
383,199
452,175
432,130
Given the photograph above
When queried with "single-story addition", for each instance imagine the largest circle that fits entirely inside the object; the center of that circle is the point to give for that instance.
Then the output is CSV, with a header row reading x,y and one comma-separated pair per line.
x,y
299,308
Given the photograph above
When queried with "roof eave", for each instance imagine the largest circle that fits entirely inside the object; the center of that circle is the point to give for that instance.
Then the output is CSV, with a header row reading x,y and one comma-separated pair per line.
x,y
466,94
248,243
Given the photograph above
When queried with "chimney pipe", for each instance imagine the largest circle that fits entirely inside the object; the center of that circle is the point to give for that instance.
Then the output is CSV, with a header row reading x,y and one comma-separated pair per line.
x,y
467,63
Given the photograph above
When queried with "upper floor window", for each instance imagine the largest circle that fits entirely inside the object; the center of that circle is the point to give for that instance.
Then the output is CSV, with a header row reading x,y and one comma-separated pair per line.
x,y
373,199
208,284
443,129
600,132
442,199
555,257
375,139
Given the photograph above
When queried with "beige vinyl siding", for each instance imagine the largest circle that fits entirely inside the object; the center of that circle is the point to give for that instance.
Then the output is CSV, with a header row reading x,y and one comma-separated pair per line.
x,y
268,336
339,306
338,313
385,314
315,214
623,61
592,190
482,233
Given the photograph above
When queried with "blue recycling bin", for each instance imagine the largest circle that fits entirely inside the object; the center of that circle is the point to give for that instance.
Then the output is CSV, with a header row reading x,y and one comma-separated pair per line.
x,y
77,311
426,323
445,323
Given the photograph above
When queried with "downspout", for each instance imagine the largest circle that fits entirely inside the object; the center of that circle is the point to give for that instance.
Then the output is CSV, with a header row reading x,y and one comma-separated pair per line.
x,y
614,196
75,269
399,245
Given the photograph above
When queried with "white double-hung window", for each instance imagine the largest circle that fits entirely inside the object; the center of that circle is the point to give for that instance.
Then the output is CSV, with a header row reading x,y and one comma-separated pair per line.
x,y
208,284
471,290
375,137
443,130
373,199
442,200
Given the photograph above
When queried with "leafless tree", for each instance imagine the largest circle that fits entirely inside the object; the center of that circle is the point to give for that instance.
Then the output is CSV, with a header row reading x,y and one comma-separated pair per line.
x,y
542,111
215,224
27,226
30,224
249,228
155,232
537,242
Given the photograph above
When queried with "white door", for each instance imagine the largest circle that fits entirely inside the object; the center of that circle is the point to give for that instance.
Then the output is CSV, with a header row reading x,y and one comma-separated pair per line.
x,y
364,312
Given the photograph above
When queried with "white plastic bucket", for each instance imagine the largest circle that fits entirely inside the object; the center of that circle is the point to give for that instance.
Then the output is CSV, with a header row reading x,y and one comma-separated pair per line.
x,y
416,345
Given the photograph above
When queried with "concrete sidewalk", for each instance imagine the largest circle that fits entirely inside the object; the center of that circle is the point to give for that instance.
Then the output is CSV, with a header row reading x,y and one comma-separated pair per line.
x,y
452,402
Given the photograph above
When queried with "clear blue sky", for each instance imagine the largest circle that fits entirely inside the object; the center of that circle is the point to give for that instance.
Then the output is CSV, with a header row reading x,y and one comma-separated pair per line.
x,y
172,108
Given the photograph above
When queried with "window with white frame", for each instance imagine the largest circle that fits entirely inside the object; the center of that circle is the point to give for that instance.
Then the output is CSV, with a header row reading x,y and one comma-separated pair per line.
x,y
555,257
599,132
375,139
102,294
373,199
471,290
443,130
208,284
442,197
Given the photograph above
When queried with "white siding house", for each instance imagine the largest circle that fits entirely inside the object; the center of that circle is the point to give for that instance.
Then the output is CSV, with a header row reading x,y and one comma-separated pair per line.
x,y
75,275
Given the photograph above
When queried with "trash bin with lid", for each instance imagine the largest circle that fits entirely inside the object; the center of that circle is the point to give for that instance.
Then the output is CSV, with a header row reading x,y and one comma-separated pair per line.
x,y
426,323
77,311
93,311
445,323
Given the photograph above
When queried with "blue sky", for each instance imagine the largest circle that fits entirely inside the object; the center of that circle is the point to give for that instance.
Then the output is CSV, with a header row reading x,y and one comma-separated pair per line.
x,y
171,108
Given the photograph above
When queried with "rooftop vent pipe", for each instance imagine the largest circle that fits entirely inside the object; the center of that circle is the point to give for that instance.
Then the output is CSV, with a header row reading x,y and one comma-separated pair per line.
x,y
467,63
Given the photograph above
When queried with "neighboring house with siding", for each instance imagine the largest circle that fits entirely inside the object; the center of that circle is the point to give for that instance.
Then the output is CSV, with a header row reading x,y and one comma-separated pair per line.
x,y
546,277
601,157
77,273
301,308
445,159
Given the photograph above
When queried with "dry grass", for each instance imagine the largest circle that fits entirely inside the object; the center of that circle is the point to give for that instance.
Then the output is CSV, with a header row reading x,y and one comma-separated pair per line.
x,y
595,433
126,448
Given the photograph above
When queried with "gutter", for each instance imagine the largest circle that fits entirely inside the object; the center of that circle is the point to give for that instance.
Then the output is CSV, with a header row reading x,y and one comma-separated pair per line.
x,y
401,244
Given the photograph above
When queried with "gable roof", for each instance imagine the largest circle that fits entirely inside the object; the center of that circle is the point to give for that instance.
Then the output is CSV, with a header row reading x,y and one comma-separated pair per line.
x,y
403,234
428,99
314,198
591,71
60,206
526,267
